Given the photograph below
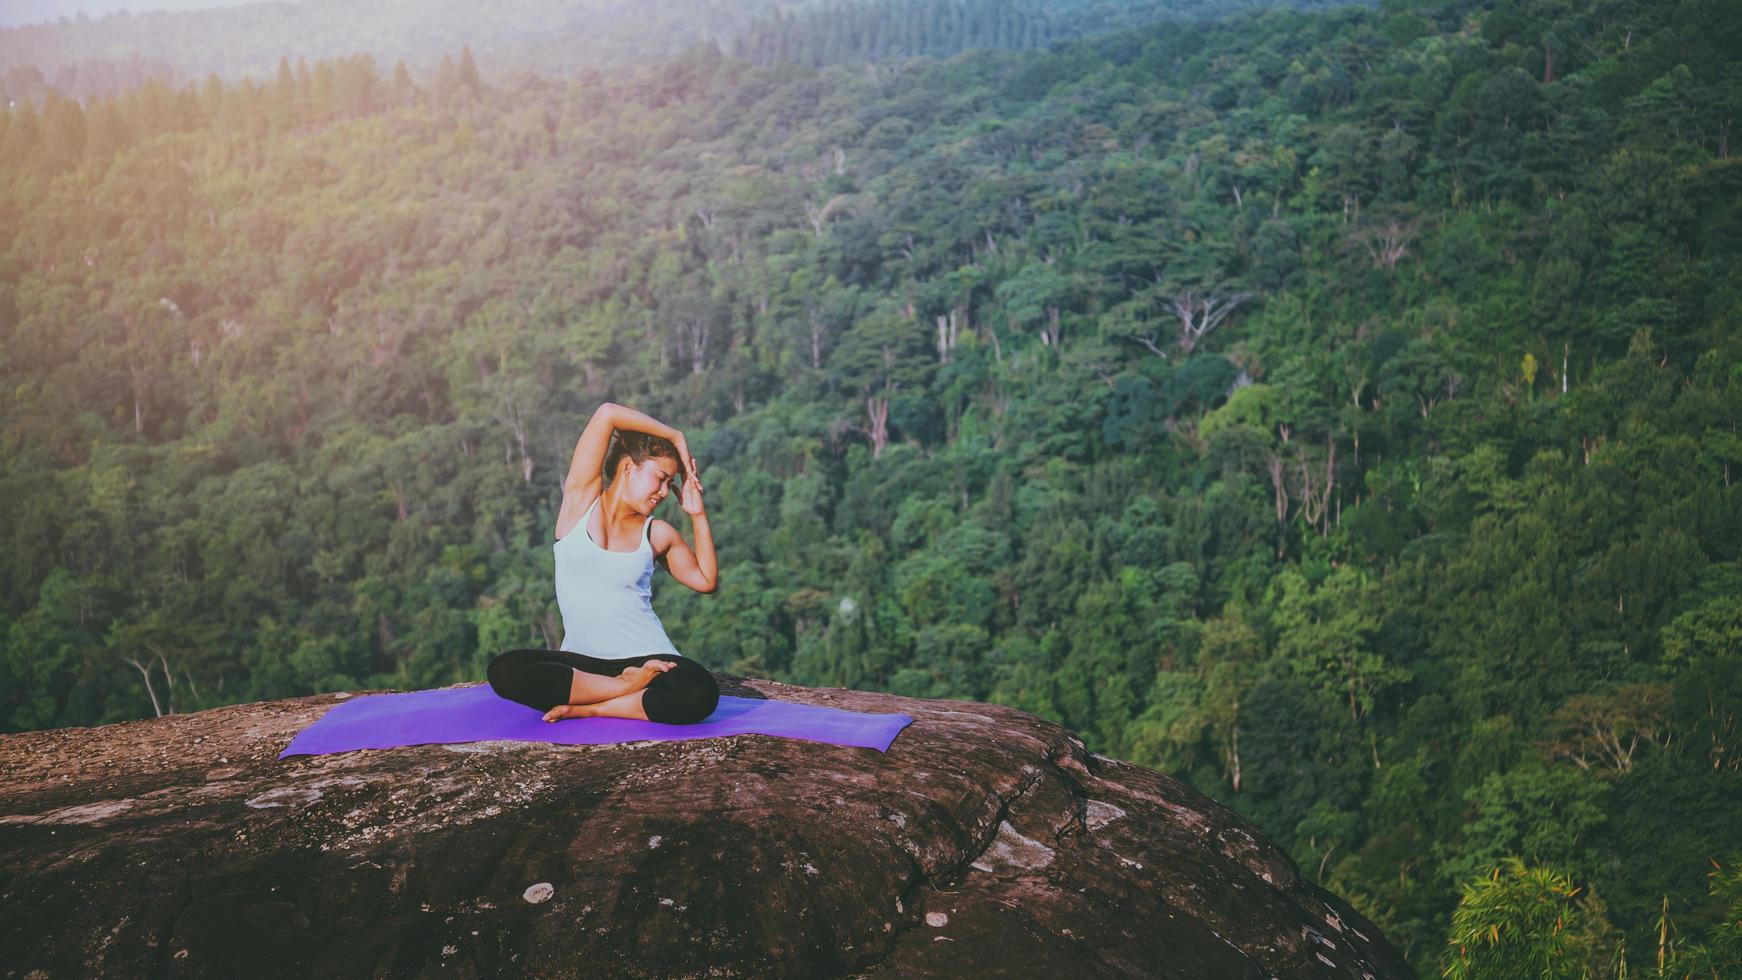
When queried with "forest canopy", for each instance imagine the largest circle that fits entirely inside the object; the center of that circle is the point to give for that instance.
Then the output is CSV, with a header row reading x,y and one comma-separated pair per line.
x,y
1336,409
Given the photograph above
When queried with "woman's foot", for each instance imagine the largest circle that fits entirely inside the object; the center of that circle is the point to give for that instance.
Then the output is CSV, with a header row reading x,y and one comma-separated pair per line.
x,y
624,706
640,677
633,679
562,711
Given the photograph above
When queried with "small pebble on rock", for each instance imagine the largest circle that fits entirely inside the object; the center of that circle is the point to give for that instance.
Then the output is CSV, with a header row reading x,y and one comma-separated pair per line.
x,y
937,919
540,892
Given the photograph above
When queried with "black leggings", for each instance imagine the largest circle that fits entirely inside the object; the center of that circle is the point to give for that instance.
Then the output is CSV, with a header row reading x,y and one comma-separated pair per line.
x,y
541,679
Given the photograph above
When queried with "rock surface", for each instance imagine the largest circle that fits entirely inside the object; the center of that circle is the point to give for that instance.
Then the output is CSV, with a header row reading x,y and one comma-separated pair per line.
x,y
986,842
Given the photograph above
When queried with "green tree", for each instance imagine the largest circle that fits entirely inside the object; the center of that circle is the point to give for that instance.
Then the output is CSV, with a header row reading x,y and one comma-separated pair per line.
x,y
1523,921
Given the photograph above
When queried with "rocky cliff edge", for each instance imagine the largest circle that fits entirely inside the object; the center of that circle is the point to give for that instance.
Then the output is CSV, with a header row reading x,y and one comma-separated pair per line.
x,y
986,842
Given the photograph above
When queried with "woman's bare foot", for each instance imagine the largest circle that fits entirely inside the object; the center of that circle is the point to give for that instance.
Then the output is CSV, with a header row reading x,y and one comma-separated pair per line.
x,y
562,711
633,678
640,677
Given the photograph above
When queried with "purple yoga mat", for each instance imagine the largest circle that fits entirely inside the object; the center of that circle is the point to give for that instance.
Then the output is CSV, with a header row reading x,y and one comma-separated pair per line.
x,y
478,714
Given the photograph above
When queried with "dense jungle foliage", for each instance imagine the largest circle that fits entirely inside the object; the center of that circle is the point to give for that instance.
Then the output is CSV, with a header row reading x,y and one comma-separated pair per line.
x,y
1336,409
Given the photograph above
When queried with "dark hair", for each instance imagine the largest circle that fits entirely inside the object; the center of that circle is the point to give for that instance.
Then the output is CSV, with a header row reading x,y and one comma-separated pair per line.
x,y
639,447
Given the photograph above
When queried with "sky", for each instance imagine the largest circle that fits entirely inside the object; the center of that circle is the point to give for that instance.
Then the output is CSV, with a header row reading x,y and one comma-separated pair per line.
x,y
16,12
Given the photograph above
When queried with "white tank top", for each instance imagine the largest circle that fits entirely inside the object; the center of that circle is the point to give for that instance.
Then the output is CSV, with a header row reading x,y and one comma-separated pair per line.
x,y
606,597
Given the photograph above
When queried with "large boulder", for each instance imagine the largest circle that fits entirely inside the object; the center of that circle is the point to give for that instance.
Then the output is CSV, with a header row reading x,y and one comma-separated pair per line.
x,y
985,842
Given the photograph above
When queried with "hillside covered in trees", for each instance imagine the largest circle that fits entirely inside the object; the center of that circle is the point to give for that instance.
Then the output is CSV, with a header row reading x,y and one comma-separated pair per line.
x,y
1335,409
100,56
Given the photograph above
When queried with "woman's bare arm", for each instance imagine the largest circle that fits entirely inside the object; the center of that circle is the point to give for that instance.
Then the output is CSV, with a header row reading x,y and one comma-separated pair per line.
x,y
588,462
591,463
699,569
586,468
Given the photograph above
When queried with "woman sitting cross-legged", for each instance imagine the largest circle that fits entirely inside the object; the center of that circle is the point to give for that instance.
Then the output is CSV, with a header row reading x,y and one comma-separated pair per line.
x,y
616,660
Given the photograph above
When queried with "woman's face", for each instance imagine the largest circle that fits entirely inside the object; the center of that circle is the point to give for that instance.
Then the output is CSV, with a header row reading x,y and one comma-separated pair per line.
x,y
648,482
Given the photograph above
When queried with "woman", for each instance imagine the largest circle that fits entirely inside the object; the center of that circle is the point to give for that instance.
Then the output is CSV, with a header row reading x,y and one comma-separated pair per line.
x,y
616,660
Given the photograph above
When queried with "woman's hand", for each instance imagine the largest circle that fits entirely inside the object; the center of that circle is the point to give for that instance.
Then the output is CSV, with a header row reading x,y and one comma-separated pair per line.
x,y
692,492
685,460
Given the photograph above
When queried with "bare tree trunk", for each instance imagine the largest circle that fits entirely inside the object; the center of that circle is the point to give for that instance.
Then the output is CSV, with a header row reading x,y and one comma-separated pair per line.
x,y
819,215
1050,333
1234,747
145,672
1323,861
136,370
1151,346
1387,243
1200,313
525,457
1316,496
698,338
816,341
877,407
1280,486
947,324
512,414
139,374
168,681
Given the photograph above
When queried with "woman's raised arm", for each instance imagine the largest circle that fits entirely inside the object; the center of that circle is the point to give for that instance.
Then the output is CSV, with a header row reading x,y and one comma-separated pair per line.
x,y
588,463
